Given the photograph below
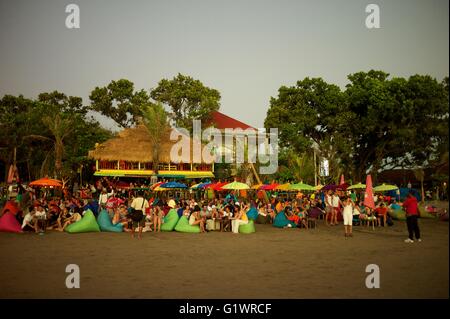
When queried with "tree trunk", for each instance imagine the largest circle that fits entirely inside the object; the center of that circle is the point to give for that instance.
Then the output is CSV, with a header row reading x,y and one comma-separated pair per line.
x,y
59,147
423,192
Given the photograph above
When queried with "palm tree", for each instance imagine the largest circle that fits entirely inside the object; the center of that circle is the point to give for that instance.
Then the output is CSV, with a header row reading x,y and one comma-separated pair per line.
x,y
59,128
156,120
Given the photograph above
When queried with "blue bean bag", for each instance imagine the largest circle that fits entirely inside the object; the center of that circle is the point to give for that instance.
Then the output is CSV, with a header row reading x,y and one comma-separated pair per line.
x,y
247,228
105,223
85,224
184,227
252,213
281,221
170,220
93,206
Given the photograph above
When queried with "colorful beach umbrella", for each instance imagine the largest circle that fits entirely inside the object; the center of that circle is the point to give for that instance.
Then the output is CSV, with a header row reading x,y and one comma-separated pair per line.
x,y
46,182
329,187
357,186
302,187
318,187
385,188
283,187
173,185
257,186
368,195
269,187
236,186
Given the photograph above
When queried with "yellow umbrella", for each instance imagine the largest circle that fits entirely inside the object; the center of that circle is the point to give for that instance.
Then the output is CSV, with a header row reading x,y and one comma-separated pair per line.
x,y
283,187
318,187
257,186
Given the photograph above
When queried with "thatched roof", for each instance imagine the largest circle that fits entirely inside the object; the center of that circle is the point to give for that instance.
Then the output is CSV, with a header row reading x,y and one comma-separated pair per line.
x,y
134,145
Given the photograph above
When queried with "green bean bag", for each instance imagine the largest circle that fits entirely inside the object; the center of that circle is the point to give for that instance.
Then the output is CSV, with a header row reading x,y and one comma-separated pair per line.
x,y
184,227
281,221
247,228
170,220
105,223
398,214
424,213
85,224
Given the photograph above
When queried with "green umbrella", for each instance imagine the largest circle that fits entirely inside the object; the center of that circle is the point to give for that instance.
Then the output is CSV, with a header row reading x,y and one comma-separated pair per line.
x,y
301,187
357,186
385,188
236,185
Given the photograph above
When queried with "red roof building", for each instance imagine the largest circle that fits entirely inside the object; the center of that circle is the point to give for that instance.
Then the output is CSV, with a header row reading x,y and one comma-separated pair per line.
x,y
222,121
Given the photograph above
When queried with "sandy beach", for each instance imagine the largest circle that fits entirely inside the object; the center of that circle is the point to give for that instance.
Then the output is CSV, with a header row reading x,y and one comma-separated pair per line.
x,y
271,263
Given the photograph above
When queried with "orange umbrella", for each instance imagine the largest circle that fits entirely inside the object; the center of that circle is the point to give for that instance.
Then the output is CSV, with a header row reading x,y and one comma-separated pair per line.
x,y
368,196
46,182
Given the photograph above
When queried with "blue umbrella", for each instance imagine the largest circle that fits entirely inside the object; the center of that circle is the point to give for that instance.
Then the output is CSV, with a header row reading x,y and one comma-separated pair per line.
x,y
173,185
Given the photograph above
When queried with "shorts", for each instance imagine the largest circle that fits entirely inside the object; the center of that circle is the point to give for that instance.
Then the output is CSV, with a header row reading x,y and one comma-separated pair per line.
x,y
140,223
348,218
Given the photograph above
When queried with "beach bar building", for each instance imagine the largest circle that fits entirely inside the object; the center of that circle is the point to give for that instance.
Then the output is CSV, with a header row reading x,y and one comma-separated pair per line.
x,y
130,154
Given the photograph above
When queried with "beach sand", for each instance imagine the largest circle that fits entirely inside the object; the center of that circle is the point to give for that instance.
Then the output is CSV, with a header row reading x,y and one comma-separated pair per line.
x,y
271,263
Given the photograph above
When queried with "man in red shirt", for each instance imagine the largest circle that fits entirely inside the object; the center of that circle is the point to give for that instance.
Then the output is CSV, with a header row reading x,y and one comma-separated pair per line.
x,y
412,213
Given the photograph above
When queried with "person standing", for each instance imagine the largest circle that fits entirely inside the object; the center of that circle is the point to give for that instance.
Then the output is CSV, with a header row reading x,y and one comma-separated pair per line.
x,y
328,207
412,213
139,206
348,216
335,201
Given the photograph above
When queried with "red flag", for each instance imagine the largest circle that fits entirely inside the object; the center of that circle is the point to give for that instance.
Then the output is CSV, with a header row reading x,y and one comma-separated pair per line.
x,y
368,196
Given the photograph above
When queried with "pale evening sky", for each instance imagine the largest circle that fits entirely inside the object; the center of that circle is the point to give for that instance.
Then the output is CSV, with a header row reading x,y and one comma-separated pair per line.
x,y
246,49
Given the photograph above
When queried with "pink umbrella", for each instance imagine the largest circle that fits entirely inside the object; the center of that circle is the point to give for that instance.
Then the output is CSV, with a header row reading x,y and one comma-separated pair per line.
x,y
368,196
342,180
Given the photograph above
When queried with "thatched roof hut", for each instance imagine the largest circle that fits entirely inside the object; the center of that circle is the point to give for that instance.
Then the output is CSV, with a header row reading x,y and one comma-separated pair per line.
x,y
134,145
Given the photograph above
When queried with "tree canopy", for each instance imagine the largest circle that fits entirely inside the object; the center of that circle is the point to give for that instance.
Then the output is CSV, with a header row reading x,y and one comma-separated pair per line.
x,y
187,98
377,122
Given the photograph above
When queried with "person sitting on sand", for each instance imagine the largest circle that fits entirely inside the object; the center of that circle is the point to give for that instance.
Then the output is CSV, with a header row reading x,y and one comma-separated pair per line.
x,y
196,219
301,212
239,219
74,217
40,216
292,216
158,216
29,220
381,214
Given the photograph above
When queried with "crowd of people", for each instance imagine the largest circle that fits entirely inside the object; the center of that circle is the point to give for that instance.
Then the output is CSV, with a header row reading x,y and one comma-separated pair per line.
x,y
139,209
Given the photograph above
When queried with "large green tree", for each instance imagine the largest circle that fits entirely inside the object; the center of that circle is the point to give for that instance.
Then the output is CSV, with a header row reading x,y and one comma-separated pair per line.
x,y
120,102
187,98
311,113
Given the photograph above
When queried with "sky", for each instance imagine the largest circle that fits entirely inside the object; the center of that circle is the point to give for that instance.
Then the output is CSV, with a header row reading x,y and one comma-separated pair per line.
x,y
245,49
